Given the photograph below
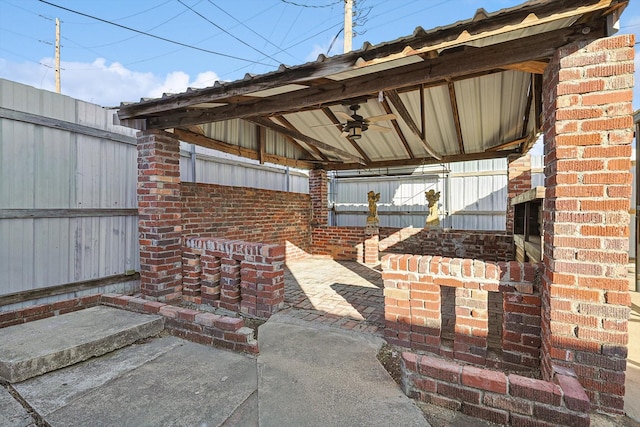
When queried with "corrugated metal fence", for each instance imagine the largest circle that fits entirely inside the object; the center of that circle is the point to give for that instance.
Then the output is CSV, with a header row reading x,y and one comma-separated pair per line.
x,y
68,210
473,195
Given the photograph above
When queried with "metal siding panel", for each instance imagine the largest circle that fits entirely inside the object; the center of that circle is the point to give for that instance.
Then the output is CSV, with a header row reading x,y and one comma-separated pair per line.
x,y
88,173
16,255
488,94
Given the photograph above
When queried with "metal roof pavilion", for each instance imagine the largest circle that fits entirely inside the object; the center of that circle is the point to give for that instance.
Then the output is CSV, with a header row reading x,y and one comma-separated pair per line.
x,y
469,90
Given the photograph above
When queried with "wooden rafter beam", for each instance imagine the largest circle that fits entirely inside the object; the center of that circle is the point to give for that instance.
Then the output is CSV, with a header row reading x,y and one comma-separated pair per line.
x,y
316,152
260,136
508,144
327,112
396,126
305,138
528,143
527,108
225,147
456,115
537,100
533,67
422,161
446,66
394,98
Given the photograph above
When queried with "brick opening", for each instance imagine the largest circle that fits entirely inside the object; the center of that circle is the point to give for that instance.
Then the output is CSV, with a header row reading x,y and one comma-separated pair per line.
x,y
448,314
496,316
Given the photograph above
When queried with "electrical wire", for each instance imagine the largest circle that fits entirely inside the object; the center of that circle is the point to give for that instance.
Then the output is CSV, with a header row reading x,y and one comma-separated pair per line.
x,y
149,29
154,36
227,32
311,6
251,29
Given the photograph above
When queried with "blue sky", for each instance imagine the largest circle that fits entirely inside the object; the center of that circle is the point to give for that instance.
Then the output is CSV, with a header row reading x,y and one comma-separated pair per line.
x,y
106,64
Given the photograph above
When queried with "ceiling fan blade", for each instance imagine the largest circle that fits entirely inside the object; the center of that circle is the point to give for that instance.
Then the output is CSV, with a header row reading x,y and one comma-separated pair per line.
x,y
381,118
325,125
344,116
380,128
344,134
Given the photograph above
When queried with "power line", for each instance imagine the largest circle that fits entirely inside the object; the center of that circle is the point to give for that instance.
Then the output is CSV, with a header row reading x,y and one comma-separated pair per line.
x,y
251,29
312,6
154,36
293,45
152,28
227,32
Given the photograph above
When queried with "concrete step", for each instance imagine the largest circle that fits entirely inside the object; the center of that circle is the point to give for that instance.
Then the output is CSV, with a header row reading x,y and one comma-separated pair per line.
x,y
34,348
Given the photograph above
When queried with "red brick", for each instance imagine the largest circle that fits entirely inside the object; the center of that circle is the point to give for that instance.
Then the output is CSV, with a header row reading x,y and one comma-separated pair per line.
x,y
495,416
484,379
524,421
455,391
574,395
508,403
229,323
439,369
533,389
561,416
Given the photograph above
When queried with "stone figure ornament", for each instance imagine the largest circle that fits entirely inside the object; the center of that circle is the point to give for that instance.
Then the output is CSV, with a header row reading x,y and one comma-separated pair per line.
x,y
433,220
374,198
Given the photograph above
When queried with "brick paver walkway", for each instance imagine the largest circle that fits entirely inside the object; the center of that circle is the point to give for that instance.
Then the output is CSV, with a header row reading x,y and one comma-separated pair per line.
x,y
339,293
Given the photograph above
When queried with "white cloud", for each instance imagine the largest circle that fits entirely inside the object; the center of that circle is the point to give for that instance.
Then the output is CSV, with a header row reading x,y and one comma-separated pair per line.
x,y
101,83
336,49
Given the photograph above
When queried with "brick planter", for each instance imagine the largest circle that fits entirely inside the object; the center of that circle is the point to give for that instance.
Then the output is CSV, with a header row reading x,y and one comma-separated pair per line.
x,y
238,276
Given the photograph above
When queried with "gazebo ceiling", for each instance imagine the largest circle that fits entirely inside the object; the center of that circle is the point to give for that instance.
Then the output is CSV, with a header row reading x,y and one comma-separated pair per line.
x,y
470,90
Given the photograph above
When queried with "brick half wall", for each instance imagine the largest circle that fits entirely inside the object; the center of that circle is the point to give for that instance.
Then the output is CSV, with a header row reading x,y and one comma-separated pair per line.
x,y
248,214
418,314
483,245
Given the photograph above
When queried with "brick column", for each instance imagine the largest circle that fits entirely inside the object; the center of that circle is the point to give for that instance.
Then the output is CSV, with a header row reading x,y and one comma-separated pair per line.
x,y
588,128
371,249
318,190
159,207
519,181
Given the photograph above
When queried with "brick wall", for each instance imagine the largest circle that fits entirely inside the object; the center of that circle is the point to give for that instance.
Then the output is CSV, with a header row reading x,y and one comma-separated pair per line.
x,y
487,246
519,181
419,316
588,128
248,214
340,243
349,243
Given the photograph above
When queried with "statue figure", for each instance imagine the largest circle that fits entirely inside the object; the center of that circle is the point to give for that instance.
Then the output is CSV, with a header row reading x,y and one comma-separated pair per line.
x,y
374,198
433,220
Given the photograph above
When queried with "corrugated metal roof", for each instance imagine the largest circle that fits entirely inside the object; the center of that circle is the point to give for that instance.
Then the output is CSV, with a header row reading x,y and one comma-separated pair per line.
x,y
459,95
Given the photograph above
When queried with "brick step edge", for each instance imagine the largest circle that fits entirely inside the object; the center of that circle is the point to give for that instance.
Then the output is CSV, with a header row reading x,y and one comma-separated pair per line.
x,y
495,396
193,325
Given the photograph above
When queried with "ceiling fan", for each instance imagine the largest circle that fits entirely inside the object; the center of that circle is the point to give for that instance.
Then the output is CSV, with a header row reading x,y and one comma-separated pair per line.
x,y
355,124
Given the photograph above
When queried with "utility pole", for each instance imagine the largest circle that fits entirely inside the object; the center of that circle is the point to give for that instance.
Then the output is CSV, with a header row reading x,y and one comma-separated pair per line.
x,y
57,55
348,25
